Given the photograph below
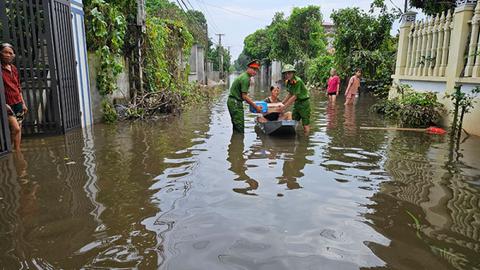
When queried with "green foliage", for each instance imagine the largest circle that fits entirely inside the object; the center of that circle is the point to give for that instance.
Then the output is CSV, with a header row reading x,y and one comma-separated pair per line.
x,y
419,109
363,41
387,107
432,7
166,41
319,69
106,33
109,112
213,55
464,100
241,62
193,20
279,39
257,45
413,109
197,26
306,36
296,39
463,103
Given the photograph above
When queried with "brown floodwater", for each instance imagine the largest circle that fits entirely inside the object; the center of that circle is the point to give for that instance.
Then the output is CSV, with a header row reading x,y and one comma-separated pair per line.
x,y
184,193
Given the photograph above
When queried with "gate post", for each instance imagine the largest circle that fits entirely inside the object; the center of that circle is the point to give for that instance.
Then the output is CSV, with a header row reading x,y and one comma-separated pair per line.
x,y
5,143
459,42
407,20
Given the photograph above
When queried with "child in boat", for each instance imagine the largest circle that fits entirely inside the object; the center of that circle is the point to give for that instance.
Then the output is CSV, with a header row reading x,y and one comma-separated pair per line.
x,y
274,116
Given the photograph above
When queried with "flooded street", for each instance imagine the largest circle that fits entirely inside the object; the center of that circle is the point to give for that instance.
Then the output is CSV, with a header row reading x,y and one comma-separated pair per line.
x,y
184,193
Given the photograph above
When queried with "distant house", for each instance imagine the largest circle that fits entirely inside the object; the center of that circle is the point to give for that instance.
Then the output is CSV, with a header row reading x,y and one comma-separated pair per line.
x,y
330,31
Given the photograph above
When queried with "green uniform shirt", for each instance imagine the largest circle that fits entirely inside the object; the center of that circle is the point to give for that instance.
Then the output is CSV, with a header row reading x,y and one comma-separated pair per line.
x,y
240,85
298,89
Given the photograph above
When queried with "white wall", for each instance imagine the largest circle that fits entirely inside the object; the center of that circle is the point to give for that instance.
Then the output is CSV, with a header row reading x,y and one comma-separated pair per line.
x,y
78,27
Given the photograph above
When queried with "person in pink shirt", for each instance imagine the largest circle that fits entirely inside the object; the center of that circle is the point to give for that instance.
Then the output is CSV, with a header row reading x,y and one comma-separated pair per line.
x,y
353,86
333,86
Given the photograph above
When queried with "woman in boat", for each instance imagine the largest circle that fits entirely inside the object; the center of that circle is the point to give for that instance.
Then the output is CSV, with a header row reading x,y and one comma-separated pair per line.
x,y
274,116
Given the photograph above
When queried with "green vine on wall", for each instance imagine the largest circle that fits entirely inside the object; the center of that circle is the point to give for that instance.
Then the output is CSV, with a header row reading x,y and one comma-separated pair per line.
x,y
168,43
106,38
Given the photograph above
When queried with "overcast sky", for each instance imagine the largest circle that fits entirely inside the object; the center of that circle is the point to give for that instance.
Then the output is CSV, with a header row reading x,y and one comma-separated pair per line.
x,y
239,18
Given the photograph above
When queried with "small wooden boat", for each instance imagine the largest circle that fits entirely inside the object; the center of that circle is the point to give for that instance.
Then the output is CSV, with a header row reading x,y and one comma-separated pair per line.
x,y
278,128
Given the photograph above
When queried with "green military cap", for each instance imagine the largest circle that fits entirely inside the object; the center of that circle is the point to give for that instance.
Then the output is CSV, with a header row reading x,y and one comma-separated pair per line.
x,y
288,68
254,64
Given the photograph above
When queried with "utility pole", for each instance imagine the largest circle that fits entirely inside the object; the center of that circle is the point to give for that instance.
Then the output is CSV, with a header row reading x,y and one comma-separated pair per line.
x,y
220,52
141,30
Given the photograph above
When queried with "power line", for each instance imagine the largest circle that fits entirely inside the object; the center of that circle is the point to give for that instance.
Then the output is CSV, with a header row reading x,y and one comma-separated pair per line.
x,y
184,4
180,5
195,21
190,4
234,12
207,12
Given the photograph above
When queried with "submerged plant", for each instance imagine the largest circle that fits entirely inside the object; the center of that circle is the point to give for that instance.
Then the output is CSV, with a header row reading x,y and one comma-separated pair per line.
x,y
109,112
411,109
463,104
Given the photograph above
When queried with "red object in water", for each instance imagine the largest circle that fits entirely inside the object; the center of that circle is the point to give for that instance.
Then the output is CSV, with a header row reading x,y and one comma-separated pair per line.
x,y
436,130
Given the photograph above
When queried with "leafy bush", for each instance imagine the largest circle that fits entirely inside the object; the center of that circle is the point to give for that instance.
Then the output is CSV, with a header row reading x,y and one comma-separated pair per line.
x,y
387,107
363,40
414,109
318,70
109,112
166,41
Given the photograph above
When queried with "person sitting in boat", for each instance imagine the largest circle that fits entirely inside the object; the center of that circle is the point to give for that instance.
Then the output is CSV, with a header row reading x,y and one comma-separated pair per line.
x,y
274,116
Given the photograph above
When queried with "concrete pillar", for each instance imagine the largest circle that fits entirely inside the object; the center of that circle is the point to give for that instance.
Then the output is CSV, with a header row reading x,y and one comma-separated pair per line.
x,y
276,72
459,41
407,20
201,65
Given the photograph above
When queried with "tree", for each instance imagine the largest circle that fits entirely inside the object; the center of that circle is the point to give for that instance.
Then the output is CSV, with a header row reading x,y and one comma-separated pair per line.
x,y
431,7
213,55
306,34
295,39
319,69
279,43
363,41
257,45
194,19
242,61
197,25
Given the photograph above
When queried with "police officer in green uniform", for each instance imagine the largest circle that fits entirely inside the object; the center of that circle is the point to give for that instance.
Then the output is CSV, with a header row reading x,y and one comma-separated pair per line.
x,y
298,96
239,93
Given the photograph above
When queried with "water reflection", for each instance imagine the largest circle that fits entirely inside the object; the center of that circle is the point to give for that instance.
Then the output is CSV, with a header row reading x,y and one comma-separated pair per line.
x,y
45,208
349,121
332,116
238,164
294,163
176,194
432,212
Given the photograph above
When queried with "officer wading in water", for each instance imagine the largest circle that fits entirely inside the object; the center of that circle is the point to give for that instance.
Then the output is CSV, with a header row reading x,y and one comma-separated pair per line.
x,y
238,94
297,95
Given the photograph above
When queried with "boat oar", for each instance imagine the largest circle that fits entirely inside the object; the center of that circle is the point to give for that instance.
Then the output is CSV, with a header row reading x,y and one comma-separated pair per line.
x,y
430,130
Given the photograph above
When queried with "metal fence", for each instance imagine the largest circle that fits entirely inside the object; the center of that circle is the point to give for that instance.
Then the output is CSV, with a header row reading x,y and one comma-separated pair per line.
x,y
41,33
4,130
